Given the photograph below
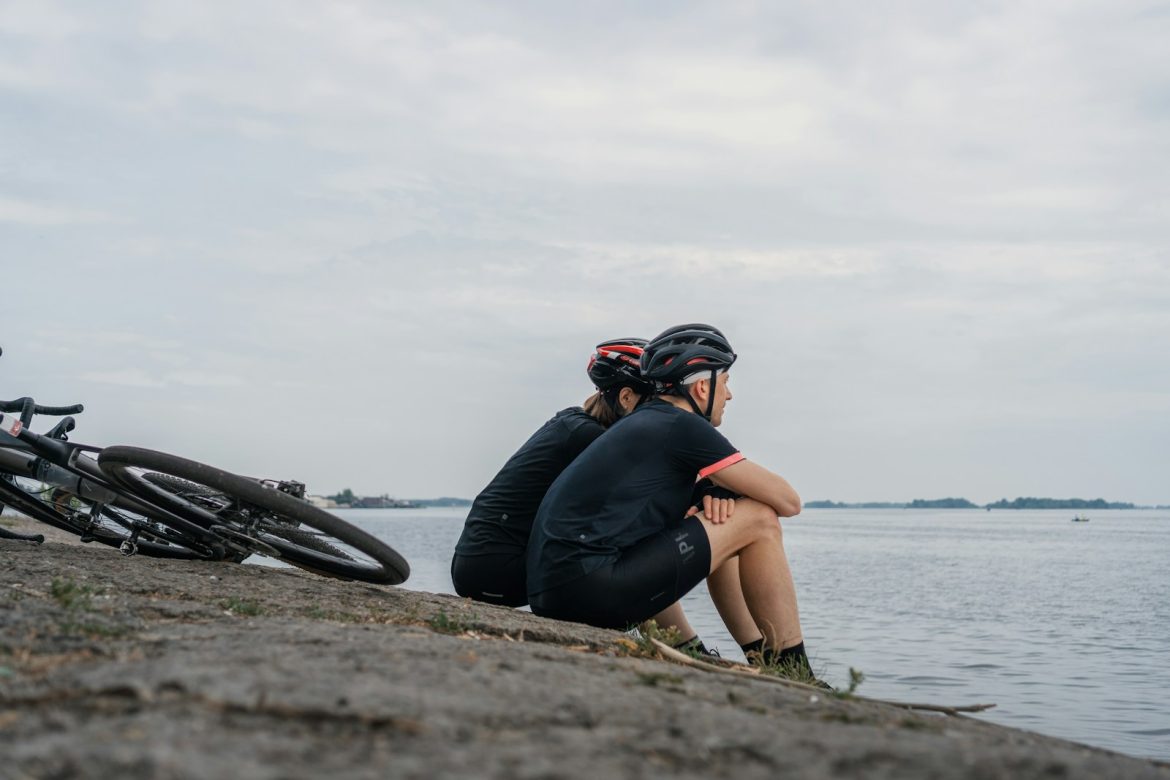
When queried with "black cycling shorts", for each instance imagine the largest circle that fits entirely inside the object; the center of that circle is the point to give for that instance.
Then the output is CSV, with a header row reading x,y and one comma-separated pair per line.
x,y
647,578
497,578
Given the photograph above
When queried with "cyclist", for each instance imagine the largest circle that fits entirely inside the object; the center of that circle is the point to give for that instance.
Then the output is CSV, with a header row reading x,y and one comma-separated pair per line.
x,y
489,560
611,546
488,564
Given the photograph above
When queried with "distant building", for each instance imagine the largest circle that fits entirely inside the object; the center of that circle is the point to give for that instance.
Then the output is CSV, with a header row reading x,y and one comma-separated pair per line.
x,y
382,502
322,502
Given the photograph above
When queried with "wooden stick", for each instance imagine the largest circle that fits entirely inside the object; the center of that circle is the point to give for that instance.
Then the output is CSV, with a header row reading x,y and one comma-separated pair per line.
x,y
741,671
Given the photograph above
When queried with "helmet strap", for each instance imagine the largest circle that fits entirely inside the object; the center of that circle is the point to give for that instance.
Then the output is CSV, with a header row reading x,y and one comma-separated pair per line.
x,y
711,394
691,401
685,392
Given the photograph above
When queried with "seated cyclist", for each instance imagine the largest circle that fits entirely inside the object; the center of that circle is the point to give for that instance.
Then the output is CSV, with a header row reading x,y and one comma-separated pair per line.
x,y
611,546
489,560
488,564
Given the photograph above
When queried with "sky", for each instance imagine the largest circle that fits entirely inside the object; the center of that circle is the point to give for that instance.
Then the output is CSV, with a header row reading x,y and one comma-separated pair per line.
x,y
372,244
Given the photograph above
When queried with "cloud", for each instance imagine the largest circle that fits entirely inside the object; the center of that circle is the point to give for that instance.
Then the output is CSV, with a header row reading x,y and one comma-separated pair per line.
x,y
935,232
23,212
127,377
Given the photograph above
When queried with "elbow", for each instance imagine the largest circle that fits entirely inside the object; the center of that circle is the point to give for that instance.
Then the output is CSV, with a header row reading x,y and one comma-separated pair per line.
x,y
790,507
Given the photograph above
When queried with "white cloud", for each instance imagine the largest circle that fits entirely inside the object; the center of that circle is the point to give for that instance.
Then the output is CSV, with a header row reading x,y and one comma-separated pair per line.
x,y
127,377
24,212
203,379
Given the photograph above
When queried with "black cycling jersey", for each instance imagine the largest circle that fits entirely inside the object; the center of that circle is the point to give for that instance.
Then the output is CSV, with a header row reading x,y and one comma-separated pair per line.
x,y
501,515
631,484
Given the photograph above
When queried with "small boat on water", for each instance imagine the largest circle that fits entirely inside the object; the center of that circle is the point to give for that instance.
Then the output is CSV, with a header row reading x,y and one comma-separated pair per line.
x,y
1080,519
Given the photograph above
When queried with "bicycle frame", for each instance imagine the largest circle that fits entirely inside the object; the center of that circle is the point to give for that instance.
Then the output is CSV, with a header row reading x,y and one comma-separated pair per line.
x,y
61,464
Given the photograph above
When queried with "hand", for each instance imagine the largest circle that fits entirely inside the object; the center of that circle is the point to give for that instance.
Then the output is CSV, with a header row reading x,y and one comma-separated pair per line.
x,y
717,510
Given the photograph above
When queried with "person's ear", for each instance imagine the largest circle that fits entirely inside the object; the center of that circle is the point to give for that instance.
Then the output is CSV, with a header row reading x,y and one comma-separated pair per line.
x,y
627,398
701,389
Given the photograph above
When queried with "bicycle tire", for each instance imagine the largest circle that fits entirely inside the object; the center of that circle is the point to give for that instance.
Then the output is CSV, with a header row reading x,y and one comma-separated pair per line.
x,y
214,499
110,534
17,536
268,516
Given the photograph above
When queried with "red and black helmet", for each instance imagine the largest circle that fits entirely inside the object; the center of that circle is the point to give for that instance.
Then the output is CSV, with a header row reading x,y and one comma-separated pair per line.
x,y
616,364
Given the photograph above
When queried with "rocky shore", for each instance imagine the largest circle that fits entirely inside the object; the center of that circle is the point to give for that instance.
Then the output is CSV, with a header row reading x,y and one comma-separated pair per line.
x,y
137,668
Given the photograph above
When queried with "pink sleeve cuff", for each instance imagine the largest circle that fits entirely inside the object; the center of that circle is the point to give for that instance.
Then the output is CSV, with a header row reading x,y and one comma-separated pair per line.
x,y
720,465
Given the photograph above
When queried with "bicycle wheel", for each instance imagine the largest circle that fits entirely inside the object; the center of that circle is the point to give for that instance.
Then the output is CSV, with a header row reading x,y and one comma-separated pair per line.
x,y
251,512
106,525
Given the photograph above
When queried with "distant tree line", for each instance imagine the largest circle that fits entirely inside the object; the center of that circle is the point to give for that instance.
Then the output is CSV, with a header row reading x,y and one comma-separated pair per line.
x,y
863,505
941,503
918,503
348,498
1058,503
344,497
962,503
445,501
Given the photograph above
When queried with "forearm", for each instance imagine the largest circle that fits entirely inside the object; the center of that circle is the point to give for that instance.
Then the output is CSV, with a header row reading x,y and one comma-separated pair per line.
x,y
754,481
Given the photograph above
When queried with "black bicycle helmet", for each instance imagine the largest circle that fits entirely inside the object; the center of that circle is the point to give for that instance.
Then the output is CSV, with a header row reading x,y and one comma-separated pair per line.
x,y
682,351
617,363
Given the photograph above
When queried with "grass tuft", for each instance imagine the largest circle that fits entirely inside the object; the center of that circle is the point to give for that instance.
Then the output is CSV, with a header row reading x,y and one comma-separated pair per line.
x,y
85,628
71,595
336,616
789,669
856,678
239,606
649,631
446,624
655,679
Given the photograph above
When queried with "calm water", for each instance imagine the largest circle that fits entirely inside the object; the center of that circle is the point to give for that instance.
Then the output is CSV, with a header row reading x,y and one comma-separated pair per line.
x,y
1066,626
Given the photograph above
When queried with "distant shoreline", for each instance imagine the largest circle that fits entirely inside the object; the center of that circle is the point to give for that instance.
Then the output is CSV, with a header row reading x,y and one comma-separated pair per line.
x,y
1003,503
1023,502
348,500
918,503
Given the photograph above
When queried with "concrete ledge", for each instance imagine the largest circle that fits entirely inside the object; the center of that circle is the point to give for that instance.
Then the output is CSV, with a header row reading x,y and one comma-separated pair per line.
x,y
137,668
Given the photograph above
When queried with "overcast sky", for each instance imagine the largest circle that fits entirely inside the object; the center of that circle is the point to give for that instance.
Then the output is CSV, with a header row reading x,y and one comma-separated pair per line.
x,y
371,244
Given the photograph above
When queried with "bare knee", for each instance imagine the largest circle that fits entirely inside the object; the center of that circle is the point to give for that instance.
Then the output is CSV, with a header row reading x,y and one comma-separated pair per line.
x,y
762,518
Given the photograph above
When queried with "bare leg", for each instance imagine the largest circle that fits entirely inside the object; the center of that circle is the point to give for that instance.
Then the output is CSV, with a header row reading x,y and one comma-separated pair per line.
x,y
674,617
754,536
727,595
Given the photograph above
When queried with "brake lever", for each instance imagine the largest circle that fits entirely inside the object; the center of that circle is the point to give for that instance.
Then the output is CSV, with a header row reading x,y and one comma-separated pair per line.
x,y
63,427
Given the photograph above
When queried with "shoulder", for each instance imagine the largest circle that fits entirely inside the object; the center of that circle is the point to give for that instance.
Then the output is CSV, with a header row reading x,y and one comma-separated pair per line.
x,y
575,417
689,421
694,427
577,424
657,411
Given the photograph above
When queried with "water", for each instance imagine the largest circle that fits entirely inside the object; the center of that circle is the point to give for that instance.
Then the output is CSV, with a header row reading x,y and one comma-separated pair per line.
x,y
1066,626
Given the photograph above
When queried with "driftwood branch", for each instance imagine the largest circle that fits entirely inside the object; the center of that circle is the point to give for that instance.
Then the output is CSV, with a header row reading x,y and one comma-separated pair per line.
x,y
741,671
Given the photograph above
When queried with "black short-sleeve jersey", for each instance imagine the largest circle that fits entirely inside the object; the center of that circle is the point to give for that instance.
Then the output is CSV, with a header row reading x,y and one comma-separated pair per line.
x,y
501,515
630,484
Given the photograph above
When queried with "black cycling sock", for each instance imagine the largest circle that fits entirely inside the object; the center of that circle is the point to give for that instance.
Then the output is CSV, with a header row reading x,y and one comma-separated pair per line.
x,y
794,656
693,645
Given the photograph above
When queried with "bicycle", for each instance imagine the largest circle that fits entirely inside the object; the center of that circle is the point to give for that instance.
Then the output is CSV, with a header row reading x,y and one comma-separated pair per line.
x,y
161,505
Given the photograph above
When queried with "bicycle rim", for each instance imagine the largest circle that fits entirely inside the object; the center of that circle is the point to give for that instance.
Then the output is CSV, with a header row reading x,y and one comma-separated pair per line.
x,y
242,509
